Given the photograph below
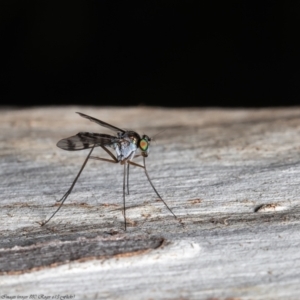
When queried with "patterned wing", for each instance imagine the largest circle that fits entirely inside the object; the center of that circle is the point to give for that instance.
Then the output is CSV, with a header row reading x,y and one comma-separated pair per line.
x,y
99,122
84,140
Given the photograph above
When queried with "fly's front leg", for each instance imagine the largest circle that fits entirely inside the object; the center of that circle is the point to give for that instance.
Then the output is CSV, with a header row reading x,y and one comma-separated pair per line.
x,y
146,172
148,177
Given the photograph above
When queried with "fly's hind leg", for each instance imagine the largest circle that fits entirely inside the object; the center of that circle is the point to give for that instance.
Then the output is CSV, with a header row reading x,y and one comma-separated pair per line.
x,y
65,196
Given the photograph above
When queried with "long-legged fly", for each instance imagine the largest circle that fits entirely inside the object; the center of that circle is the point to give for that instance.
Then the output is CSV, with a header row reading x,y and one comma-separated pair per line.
x,y
127,145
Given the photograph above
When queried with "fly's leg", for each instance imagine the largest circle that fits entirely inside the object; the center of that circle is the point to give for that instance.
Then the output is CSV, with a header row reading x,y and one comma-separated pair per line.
x,y
124,205
128,179
63,199
115,160
148,177
133,155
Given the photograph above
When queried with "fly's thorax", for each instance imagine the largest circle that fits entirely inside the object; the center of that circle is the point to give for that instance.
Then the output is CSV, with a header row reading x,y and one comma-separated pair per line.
x,y
144,144
126,145
133,137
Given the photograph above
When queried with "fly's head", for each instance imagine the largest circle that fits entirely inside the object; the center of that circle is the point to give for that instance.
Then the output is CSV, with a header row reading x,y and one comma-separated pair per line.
x,y
144,145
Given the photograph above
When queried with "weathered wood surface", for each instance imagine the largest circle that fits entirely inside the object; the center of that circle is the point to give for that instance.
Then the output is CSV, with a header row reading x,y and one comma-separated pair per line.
x,y
231,176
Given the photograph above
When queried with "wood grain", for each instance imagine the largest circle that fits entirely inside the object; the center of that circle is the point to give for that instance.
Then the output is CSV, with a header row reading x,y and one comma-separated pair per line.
x,y
231,177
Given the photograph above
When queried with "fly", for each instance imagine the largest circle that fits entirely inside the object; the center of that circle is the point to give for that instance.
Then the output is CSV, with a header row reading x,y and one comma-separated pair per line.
x,y
125,145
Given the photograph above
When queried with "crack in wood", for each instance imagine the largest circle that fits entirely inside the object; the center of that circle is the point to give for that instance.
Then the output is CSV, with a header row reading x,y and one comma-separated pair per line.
x,y
37,255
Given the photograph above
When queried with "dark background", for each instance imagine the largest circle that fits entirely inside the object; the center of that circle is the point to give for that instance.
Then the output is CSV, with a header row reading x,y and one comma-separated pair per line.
x,y
168,53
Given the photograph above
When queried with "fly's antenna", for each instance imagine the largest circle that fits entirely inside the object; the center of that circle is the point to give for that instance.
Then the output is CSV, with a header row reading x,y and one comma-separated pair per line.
x,y
155,135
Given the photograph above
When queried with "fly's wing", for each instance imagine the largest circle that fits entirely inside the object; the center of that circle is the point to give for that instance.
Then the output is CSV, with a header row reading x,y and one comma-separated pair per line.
x,y
84,140
111,127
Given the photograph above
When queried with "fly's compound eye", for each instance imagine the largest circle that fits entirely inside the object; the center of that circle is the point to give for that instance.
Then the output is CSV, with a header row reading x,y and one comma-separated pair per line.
x,y
144,144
